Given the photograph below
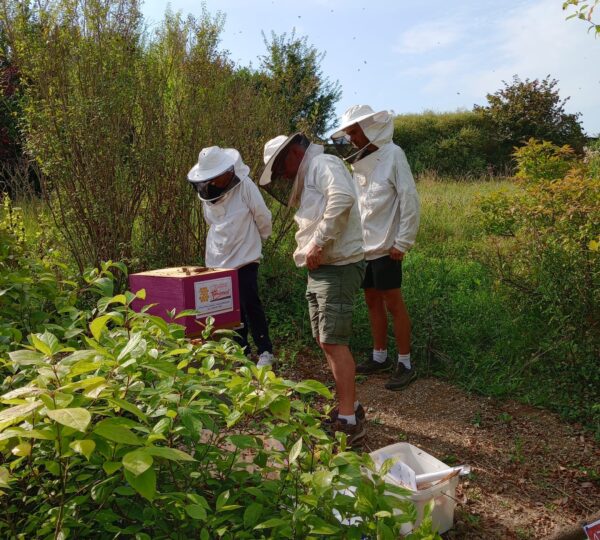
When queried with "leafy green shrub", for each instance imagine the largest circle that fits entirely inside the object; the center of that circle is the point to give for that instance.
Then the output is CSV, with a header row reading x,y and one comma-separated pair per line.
x,y
36,287
121,426
540,161
525,109
448,143
549,259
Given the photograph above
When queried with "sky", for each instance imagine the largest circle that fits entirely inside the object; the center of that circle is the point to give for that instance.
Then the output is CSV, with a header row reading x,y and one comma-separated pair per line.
x,y
409,56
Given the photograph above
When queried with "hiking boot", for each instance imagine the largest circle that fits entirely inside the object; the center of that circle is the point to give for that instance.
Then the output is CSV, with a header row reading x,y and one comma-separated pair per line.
x,y
359,412
354,433
401,377
265,359
369,366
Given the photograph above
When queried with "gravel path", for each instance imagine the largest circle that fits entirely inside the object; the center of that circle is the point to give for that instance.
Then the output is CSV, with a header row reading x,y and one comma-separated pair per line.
x,y
532,474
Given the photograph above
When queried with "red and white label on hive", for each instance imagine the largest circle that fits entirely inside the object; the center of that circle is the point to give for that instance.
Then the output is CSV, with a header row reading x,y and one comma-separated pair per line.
x,y
213,296
593,530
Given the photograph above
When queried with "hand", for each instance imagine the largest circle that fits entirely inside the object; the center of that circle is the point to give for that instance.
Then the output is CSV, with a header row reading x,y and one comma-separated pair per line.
x,y
396,254
313,257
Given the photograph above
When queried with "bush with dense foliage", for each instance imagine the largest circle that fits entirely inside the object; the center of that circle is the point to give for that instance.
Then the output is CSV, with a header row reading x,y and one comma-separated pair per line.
x,y
115,115
549,254
525,109
112,423
454,143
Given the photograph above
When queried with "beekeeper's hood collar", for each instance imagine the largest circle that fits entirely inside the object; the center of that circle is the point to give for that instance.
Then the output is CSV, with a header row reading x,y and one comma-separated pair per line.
x,y
214,161
286,191
377,126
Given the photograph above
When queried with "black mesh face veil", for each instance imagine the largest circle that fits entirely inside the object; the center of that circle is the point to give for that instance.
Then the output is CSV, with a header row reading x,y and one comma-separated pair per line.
x,y
209,192
347,151
281,188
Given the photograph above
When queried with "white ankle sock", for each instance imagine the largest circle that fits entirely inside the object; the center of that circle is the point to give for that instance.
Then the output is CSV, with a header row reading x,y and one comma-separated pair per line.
x,y
404,359
350,418
380,356
356,404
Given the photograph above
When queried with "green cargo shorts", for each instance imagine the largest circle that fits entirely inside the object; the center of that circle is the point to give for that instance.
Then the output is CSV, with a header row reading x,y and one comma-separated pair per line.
x,y
330,293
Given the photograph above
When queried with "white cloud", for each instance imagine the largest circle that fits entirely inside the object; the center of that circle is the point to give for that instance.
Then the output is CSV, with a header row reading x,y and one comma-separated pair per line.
x,y
536,41
531,41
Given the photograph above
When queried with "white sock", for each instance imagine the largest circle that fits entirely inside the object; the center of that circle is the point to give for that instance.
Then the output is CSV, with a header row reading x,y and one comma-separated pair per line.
x,y
356,404
404,359
350,418
380,356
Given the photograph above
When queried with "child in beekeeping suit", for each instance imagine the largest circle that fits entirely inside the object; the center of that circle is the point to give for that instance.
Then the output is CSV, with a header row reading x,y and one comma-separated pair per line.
x,y
239,221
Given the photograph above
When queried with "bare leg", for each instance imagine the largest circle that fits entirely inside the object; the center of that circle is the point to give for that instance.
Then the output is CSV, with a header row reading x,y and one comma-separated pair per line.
x,y
342,366
395,305
377,317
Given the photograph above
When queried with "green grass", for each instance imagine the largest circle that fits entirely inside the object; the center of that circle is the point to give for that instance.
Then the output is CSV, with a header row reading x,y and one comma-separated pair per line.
x,y
467,327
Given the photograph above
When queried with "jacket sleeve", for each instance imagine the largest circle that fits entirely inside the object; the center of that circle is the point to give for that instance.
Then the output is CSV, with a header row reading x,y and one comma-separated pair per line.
x,y
337,185
260,213
409,205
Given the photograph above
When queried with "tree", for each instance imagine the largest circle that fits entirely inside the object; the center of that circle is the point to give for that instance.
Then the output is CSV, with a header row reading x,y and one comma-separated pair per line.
x,y
294,72
584,10
530,109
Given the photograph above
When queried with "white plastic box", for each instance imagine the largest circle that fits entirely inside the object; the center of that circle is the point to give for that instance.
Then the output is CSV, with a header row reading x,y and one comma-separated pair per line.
x,y
443,493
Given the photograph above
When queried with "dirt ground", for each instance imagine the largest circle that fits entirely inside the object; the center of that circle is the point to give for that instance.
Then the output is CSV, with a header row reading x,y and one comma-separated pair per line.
x,y
532,474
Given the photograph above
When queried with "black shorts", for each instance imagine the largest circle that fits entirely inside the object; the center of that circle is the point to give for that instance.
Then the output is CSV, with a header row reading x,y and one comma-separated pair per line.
x,y
383,274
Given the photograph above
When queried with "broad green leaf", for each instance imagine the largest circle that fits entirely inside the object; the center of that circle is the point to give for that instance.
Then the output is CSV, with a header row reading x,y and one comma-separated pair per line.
x,y
295,451
22,449
76,417
195,511
4,477
98,324
321,527
271,523
77,356
21,392
111,466
137,461
27,434
176,352
135,346
141,294
84,447
40,345
281,408
25,357
118,299
84,383
309,386
82,367
252,515
243,441
222,500
144,484
129,407
13,413
168,453
118,434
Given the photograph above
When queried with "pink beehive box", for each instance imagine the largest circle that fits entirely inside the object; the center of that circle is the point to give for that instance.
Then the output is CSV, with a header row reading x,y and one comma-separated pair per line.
x,y
211,292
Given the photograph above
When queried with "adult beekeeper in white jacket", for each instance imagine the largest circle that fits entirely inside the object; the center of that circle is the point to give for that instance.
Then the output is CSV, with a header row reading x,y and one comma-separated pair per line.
x,y
329,244
389,211
239,221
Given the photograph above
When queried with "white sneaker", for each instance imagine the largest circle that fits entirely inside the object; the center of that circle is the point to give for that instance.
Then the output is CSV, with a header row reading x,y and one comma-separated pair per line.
x,y
265,359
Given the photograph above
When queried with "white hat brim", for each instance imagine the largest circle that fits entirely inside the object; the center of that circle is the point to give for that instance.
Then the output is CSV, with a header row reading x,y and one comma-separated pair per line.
x,y
341,130
265,177
197,174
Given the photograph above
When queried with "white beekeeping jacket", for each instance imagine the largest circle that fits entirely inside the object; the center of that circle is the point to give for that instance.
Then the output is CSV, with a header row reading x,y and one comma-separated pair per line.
x,y
238,223
387,195
328,213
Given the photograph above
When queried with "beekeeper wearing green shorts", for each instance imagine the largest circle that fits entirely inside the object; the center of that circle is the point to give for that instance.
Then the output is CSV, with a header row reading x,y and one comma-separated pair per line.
x,y
329,244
